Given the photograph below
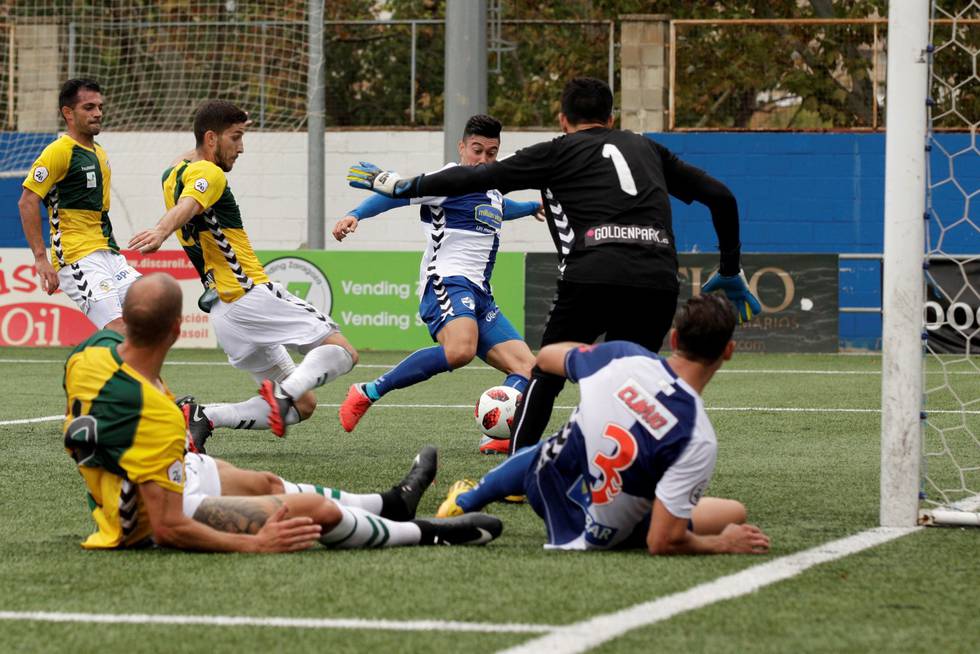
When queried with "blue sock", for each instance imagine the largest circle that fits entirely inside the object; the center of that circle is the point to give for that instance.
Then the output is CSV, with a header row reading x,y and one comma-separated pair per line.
x,y
506,479
416,367
516,381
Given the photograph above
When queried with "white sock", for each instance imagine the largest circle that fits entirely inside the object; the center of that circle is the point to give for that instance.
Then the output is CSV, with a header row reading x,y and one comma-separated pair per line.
x,y
360,529
253,413
370,502
322,364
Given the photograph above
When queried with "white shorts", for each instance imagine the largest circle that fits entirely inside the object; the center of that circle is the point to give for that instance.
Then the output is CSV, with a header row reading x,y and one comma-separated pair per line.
x,y
201,480
98,283
255,330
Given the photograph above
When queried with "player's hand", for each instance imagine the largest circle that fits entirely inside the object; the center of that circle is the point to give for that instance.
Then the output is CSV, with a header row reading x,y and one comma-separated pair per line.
x,y
737,289
344,226
147,241
49,278
540,215
745,539
386,182
282,534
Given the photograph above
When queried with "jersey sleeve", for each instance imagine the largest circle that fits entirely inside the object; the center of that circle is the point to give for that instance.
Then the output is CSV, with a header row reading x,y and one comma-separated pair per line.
x,y
157,453
683,180
514,209
684,482
527,168
50,168
376,204
204,182
581,362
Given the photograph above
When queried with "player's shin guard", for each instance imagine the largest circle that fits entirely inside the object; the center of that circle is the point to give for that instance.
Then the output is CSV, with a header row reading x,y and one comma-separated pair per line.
x,y
534,409
359,529
416,367
371,502
506,479
321,365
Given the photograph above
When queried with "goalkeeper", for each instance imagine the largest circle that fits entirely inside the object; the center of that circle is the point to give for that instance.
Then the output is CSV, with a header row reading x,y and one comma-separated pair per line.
x,y
618,275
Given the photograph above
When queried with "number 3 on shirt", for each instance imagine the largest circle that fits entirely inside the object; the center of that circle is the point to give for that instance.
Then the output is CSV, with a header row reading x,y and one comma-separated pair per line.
x,y
610,151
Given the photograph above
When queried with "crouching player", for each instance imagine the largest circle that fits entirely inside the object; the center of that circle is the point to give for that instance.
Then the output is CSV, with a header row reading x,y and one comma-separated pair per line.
x,y
631,464
128,439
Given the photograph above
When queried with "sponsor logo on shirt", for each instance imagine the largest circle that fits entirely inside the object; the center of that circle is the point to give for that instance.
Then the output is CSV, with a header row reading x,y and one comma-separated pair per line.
x,y
40,174
598,533
488,215
636,234
650,413
201,185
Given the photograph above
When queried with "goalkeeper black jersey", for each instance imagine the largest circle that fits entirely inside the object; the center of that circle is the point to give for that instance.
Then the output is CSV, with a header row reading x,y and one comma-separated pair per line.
x,y
613,186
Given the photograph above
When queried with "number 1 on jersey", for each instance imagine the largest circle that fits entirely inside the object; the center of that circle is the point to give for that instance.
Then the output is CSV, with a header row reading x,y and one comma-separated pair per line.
x,y
610,151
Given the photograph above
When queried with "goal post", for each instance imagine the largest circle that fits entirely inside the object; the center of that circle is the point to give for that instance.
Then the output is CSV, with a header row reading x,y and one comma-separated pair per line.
x,y
904,248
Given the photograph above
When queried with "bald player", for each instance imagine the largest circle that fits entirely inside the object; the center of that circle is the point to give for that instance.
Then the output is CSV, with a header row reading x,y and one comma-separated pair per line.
x,y
128,438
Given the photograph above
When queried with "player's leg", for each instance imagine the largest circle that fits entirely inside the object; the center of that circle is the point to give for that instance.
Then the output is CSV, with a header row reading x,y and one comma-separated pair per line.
x,y
397,503
505,480
574,317
639,315
97,283
712,514
448,309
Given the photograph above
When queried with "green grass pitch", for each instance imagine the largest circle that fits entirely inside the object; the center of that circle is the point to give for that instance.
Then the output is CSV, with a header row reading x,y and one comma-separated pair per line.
x,y
807,477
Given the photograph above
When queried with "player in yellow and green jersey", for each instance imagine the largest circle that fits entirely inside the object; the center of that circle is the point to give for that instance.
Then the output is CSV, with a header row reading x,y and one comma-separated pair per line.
x,y
255,320
127,437
71,176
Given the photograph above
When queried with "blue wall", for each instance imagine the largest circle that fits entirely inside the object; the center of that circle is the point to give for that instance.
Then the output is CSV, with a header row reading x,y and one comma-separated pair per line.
x,y
823,193
17,152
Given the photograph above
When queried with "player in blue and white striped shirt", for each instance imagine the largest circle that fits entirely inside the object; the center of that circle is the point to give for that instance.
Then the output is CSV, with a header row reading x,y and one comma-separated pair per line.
x,y
456,301
630,466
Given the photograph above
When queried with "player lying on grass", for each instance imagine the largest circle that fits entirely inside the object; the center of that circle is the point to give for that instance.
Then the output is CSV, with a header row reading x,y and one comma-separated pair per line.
x,y
128,438
629,467
255,319
456,301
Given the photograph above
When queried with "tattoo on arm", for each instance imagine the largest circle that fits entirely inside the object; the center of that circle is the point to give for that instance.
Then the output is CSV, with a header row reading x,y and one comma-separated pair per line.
x,y
237,515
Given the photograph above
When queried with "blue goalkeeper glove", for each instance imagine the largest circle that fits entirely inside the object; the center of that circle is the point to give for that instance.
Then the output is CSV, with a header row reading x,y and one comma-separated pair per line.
x,y
737,290
386,182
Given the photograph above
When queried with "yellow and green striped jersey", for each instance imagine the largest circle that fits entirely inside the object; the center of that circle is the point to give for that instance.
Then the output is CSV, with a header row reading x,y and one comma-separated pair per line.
x,y
74,182
122,431
225,246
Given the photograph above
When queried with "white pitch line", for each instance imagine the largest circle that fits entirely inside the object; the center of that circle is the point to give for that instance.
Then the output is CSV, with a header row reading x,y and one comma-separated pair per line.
x,y
724,371
288,623
733,409
582,636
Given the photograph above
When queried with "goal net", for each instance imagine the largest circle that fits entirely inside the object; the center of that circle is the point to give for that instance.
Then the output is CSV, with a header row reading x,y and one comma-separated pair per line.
x,y
950,489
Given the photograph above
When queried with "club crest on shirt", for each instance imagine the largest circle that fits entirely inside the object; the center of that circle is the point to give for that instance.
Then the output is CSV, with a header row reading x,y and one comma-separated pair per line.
x,y
175,472
201,185
650,413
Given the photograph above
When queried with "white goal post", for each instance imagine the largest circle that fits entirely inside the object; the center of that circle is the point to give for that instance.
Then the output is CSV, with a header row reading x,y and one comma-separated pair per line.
x,y
930,422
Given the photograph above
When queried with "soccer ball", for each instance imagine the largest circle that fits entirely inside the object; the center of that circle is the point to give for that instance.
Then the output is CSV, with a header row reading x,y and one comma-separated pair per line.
x,y
495,411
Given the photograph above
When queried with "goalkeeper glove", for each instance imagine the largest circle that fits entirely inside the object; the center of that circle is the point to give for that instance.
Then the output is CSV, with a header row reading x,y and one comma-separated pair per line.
x,y
210,294
385,182
737,290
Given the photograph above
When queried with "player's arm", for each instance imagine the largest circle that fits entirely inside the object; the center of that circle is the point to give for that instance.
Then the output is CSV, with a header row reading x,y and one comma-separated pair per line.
x,y
527,168
514,209
669,534
690,184
171,528
150,240
551,358
374,205
575,361
29,206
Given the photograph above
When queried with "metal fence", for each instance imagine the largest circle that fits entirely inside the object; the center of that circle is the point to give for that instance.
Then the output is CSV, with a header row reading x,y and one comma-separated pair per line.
x,y
378,73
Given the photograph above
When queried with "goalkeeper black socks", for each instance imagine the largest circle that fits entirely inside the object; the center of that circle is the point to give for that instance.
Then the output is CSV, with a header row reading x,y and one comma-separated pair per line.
x,y
534,412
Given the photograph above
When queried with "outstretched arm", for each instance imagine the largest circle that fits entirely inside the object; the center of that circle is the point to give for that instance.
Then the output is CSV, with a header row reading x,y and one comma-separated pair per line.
x,y
372,206
150,240
514,209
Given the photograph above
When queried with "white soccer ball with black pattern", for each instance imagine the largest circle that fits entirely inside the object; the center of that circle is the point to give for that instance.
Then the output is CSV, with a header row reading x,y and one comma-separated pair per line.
x,y
495,411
